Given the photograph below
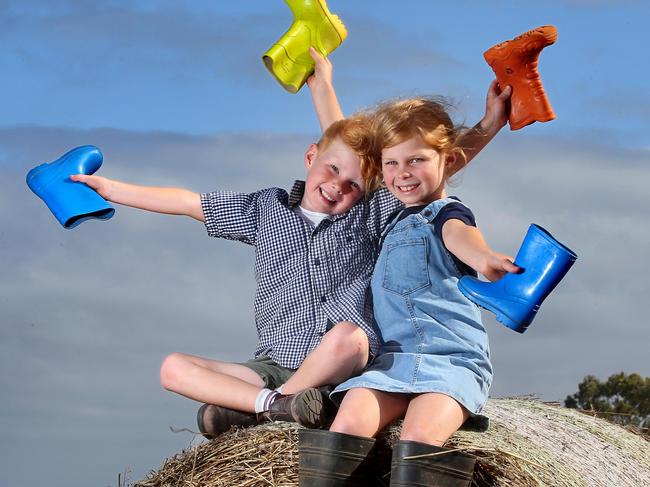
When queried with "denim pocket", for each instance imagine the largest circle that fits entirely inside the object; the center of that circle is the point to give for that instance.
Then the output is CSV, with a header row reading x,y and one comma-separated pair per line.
x,y
406,269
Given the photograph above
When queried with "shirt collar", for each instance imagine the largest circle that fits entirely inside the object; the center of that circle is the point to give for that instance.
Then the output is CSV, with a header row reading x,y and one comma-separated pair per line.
x,y
297,192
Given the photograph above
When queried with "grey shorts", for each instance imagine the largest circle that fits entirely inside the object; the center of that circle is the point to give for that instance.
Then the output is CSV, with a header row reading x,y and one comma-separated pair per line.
x,y
272,374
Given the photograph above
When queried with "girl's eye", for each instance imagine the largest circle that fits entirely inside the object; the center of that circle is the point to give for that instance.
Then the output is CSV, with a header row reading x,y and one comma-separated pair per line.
x,y
389,163
355,185
334,168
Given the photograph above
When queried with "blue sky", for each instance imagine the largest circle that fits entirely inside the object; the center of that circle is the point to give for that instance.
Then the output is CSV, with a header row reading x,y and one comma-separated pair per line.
x,y
175,93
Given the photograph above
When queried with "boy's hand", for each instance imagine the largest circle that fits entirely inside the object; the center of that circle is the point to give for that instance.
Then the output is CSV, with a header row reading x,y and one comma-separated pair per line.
x,y
496,265
496,108
100,184
322,77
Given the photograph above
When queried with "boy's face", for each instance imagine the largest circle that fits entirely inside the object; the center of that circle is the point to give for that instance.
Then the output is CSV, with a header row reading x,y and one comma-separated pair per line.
x,y
334,183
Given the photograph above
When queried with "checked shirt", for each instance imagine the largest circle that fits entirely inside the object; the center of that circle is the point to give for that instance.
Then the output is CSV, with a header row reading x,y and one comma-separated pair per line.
x,y
306,277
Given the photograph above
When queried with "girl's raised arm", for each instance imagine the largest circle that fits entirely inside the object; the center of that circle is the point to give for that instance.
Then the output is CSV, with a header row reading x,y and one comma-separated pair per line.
x,y
496,116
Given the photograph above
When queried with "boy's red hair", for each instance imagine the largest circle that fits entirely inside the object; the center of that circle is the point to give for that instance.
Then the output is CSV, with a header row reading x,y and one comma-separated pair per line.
x,y
356,133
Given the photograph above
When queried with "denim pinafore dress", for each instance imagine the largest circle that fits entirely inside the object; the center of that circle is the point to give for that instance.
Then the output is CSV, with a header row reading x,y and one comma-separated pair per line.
x,y
432,337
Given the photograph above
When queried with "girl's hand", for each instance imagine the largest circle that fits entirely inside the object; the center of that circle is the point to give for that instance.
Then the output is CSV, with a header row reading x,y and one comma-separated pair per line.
x,y
496,107
496,265
102,185
322,77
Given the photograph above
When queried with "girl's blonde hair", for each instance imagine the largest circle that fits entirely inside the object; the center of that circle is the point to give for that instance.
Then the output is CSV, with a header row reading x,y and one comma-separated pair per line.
x,y
398,120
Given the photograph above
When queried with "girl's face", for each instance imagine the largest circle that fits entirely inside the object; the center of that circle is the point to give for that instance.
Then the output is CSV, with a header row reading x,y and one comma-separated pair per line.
x,y
414,172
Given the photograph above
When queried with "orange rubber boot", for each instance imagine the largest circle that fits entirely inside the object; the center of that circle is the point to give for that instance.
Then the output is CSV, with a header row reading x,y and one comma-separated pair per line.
x,y
515,64
313,25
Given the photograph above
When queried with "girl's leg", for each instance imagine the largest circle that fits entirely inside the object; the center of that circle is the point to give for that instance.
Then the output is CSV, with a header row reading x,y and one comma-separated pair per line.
x,y
365,412
341,354
432,418
231,385
419,458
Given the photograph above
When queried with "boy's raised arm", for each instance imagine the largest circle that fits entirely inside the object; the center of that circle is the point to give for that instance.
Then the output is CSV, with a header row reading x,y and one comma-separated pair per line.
x,y
496,116
171,201
322,91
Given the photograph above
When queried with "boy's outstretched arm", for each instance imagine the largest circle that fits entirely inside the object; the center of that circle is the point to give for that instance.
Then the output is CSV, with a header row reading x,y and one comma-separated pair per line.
x,y
467,243
496,116
171,201
322,91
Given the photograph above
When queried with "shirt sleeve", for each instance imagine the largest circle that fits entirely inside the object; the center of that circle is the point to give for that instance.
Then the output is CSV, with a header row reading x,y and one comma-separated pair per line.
x,y
233,216
453,211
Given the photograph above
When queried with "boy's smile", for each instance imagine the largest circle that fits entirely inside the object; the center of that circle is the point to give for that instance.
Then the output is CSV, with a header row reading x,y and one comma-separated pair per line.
x,y
414,172
334,183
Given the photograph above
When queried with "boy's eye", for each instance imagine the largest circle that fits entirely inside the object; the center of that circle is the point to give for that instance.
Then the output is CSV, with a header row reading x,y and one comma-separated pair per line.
x,y
390,163
417,159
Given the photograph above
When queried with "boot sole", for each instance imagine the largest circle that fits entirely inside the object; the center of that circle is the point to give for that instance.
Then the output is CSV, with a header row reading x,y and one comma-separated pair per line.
x,y
501,317
309,409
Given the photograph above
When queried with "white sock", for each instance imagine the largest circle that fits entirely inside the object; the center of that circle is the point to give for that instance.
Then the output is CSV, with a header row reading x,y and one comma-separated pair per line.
x,y
264,399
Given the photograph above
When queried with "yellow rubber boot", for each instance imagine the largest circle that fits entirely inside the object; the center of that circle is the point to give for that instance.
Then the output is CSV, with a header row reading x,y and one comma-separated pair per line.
x,y
313,25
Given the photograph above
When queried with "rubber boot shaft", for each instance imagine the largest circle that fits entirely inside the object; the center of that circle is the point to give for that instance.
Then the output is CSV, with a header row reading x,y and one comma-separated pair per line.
x,y
329,459
433,466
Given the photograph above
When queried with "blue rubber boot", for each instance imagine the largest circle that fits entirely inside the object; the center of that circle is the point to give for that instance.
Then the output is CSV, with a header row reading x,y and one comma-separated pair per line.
x,y
71,202
515,298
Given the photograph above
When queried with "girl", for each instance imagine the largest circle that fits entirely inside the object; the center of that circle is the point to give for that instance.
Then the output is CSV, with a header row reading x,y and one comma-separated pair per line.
x,y
434,365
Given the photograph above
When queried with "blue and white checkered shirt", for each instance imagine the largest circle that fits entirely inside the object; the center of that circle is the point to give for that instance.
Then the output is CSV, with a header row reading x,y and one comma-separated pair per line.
x,y
307,277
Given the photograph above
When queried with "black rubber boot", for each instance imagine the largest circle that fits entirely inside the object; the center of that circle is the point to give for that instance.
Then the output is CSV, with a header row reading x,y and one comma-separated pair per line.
x,y
329,459
214,420
311,408
451,469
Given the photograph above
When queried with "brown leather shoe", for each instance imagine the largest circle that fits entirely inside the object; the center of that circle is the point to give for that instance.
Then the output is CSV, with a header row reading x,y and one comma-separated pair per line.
x,y
515,64
214,420
311,408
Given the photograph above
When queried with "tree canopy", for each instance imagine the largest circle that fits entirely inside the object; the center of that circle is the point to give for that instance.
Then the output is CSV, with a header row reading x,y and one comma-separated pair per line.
x,y
623,399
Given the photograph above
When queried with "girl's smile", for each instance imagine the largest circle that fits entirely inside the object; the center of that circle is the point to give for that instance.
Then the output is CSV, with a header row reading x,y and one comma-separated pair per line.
x,y
414,172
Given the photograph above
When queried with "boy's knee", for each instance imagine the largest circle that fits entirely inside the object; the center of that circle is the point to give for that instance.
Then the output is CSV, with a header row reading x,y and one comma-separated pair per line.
x,y
348,340
169,370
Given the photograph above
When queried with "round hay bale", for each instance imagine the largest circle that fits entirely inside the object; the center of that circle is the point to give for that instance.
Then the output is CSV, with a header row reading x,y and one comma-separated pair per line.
x,y
529,443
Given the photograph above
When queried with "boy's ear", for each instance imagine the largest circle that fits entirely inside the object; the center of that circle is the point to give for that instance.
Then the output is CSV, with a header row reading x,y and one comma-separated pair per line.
x,y
310,155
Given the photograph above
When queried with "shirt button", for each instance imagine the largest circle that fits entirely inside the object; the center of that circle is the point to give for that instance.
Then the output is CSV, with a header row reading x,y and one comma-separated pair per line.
x,y
316,261
323,299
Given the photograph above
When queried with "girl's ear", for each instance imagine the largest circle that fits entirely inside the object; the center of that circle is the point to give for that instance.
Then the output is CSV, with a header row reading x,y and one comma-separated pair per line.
x,y
310,155
453,162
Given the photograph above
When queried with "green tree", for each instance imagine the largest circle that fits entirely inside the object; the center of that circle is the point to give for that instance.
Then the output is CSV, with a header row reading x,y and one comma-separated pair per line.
x,y
624,399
